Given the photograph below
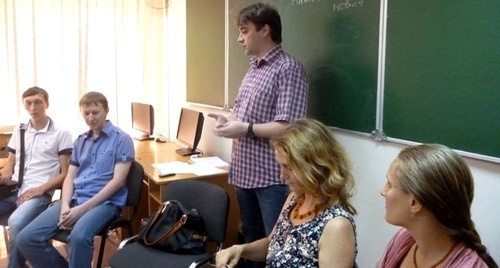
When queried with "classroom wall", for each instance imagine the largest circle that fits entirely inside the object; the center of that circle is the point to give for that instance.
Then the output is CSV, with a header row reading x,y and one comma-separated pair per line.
x,y
370,159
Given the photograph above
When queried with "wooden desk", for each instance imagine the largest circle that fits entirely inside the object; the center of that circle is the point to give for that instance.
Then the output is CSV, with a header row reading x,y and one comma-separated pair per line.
x,y
5,133
4,140
150,152
150,146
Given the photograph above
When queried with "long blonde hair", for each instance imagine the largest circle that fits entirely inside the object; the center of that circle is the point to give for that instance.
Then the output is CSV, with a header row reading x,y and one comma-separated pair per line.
x,y
319,162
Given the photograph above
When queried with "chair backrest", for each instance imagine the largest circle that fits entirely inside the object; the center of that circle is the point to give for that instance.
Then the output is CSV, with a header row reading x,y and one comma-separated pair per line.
x,y
134,184
210,200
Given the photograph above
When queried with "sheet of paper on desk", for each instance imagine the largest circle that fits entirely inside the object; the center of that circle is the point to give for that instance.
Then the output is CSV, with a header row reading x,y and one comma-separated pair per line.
x,y
213,161
175,167
203,170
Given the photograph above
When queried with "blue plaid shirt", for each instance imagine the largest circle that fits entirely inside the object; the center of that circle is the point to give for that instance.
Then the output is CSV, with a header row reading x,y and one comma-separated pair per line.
x,y
96,160
274,89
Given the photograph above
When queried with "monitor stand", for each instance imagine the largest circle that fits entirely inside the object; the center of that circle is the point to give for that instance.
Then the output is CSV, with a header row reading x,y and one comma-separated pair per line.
x,y
143,137
186,151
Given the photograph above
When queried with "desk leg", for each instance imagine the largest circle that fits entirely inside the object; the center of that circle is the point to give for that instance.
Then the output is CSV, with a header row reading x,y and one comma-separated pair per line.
x,y
155,196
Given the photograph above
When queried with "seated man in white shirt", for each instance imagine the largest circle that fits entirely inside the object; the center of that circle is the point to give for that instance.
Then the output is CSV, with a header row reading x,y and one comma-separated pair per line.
x,y
47,150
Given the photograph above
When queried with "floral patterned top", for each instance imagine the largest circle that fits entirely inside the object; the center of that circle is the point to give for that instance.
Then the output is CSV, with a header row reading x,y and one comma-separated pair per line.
x,y
297,246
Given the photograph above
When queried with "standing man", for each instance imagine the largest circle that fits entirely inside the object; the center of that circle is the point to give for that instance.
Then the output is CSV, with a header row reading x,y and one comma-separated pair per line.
x,y
93,192
46,152
272,95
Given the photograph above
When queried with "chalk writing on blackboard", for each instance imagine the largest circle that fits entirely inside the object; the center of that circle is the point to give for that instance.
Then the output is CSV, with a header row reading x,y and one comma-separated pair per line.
x,y
303,2
347,4
337,6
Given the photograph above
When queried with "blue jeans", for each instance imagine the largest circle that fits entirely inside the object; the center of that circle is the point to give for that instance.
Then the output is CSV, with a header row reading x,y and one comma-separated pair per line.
x,y
259,210
22,216
34,241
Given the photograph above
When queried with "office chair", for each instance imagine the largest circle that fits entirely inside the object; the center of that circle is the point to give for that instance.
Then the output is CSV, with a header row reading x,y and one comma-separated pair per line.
x,y
134,184
211,202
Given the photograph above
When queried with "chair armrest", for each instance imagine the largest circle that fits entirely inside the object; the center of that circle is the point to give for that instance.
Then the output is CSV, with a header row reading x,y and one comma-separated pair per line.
x,y
210,260
126,241
203,261
119,222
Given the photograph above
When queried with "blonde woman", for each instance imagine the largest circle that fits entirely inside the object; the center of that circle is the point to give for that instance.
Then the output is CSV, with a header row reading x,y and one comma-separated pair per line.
x,y
316,225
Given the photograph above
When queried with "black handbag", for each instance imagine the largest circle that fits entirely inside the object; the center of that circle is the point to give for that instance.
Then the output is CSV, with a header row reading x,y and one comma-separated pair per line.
x,y
7,190
173,228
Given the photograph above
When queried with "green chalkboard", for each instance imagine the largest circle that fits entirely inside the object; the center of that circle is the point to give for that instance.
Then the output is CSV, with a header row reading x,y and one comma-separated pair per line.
x,y
443,74
337,42
205,52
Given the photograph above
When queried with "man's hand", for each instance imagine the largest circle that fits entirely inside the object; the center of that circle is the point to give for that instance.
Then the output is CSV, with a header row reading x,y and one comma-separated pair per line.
x,y
220,119
228,128
69,216
29,194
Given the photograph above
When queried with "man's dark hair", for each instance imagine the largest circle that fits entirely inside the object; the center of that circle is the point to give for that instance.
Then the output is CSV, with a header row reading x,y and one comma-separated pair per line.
x,y
93,97
32,91
261,14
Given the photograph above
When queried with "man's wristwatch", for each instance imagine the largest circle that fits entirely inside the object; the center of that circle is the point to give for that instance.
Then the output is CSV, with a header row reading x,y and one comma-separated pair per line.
x,y
250,133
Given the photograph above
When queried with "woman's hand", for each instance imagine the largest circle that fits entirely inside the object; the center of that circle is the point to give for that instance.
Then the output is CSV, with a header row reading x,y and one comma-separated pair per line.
x,y
228,257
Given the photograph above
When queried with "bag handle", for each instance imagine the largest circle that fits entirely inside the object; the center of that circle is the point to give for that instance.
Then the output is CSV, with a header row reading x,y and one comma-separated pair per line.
x,y
153,221
22,129
169,233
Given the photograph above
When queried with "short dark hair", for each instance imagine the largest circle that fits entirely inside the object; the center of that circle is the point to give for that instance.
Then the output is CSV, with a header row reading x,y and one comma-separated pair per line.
x,y
32,91
261,14
94,97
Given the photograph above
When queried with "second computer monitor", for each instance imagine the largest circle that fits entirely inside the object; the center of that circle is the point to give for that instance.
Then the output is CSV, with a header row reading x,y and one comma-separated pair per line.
x,y
189,130
143,120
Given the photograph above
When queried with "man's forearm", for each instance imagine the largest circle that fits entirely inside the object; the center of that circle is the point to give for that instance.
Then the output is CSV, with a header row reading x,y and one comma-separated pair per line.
x,y
53,183
270,129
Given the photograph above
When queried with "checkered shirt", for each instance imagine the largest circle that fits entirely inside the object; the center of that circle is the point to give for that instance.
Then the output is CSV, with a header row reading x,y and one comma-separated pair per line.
x,y
274,89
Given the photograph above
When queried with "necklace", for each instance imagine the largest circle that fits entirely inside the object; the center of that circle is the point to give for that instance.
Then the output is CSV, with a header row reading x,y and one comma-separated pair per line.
x,y
435,265
297,215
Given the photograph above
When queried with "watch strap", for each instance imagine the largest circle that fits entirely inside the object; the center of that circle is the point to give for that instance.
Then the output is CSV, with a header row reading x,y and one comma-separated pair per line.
x,y
250,132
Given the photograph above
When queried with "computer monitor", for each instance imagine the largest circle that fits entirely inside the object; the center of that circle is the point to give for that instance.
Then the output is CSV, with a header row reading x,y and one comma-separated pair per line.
x,y
189,130
143,121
